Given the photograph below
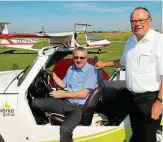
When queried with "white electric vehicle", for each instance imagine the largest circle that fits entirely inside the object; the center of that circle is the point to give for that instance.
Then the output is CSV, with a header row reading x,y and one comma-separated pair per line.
x,y
19,87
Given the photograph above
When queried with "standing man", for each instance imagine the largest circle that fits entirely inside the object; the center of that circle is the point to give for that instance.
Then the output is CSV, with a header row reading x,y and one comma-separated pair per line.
x,y
143,61
80,80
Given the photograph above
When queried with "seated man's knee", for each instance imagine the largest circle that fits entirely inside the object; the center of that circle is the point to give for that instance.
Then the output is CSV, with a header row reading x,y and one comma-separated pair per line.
x,y
75,116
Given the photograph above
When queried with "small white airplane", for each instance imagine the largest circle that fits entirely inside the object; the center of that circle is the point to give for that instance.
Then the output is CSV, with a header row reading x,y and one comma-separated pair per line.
x,y
27,40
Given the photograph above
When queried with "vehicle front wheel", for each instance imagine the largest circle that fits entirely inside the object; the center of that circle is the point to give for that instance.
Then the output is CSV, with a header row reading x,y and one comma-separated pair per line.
x,y
159,135
1,138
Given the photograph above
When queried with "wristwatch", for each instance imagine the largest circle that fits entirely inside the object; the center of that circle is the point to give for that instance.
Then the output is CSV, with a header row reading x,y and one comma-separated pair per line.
x,y
159,99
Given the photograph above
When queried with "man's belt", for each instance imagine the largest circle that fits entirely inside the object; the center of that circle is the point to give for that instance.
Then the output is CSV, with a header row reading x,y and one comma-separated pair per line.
x,y
144,93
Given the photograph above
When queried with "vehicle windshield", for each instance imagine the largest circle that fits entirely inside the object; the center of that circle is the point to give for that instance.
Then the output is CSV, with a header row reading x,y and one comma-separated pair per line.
x,y
53,57
50,62
26,71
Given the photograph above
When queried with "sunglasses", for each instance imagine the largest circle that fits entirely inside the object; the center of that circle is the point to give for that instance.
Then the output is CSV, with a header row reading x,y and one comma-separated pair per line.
x,y
82,58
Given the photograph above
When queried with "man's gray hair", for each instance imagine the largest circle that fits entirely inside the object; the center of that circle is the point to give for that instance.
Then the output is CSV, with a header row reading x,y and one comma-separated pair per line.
x,y
145,9
80,49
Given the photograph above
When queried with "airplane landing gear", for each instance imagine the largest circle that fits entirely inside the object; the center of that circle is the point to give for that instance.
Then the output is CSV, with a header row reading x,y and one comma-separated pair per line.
x,y
99,51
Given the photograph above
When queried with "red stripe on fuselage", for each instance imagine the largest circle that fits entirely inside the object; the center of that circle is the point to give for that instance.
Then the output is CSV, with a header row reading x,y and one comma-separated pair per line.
x,y
20,35
10,41
18,44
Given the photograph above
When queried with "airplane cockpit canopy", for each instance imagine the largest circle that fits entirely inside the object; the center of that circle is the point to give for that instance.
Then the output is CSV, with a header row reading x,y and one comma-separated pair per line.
x,y
93,37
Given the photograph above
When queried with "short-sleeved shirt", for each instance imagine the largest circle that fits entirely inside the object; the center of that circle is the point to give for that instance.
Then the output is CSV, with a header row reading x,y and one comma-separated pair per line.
x,y
78,79
143,61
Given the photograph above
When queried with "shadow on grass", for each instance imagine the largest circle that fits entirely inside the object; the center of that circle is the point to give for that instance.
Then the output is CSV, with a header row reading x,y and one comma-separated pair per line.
x,y
12,52
95,52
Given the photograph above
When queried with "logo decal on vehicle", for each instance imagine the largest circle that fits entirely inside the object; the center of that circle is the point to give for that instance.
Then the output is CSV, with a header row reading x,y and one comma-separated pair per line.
x,y
6,110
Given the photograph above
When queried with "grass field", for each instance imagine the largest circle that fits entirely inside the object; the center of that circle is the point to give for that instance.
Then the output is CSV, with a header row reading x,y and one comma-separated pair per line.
x,y
12,58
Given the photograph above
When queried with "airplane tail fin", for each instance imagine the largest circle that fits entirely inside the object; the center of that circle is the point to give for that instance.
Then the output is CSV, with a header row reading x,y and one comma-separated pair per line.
x,y
3,27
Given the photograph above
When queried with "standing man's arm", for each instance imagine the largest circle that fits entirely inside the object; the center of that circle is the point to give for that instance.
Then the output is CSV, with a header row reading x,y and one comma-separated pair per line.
x,y
157,106
101,64
116,63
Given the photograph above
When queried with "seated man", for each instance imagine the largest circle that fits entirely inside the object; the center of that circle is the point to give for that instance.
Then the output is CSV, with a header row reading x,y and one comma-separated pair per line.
x,y
80,80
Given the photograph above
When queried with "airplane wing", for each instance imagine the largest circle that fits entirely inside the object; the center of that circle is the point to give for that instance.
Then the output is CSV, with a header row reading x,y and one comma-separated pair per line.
x,y
26,41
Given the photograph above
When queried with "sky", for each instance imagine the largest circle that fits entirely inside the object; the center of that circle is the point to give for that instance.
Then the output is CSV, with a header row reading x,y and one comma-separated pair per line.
x,y
56,16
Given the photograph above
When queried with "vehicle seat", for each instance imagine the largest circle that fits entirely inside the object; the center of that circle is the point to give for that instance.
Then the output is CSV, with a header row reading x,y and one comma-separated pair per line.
x,y
92,101
62,66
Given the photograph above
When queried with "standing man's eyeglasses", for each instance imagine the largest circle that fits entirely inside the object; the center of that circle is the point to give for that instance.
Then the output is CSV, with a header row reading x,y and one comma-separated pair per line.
x,y
82,58
141,21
